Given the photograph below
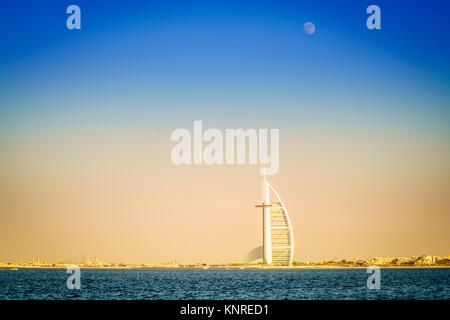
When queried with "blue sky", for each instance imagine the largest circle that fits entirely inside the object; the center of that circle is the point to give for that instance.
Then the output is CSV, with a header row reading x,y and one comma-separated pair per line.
x,y
86,117
173,61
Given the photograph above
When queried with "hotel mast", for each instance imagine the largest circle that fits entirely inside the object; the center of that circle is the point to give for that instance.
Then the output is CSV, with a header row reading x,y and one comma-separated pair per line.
x,y
278,239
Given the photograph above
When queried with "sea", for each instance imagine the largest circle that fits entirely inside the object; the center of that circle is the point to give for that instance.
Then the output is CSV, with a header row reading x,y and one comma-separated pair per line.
x,y
218,284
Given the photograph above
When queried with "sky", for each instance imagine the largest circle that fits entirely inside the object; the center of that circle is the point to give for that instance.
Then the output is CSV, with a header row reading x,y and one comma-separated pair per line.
x,y
86,117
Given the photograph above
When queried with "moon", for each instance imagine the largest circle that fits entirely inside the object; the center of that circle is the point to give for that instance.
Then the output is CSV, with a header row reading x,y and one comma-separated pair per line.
x,y
309,27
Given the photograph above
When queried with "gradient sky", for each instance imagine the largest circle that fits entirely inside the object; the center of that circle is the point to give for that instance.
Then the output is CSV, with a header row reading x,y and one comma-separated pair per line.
x,y
86,118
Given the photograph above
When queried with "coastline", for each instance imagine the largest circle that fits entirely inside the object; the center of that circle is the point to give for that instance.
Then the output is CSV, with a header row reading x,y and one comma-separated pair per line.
x,y
246,267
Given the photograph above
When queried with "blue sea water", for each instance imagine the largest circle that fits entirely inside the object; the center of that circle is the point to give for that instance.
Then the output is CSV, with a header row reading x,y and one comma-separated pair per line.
x,y
420,283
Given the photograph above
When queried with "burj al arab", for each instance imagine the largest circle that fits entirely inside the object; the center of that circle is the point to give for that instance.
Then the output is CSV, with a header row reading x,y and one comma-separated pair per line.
x,y
278,239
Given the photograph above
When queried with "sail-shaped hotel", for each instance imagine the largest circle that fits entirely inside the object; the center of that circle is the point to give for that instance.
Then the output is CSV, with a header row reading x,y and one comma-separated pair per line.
x,y
278,239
